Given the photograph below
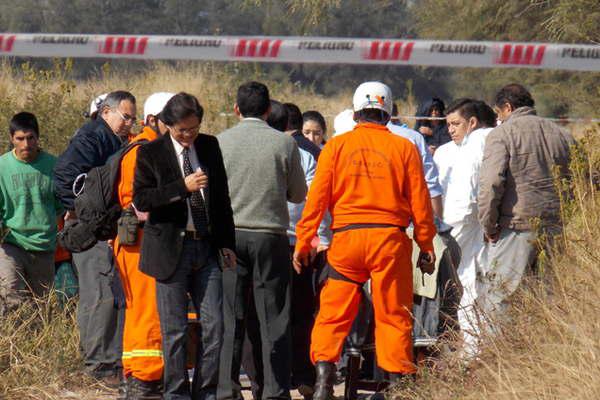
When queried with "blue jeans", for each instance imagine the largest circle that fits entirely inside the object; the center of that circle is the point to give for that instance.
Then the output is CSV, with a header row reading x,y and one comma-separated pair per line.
x,y
198,274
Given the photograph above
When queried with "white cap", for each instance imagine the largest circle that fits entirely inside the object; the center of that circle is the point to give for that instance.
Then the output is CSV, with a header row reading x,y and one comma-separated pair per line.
x,y
155,103
343,122
95,105
373,95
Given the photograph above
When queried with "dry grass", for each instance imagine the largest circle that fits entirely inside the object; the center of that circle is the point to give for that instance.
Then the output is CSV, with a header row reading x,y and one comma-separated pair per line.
x,y
39,357
59,102
549,347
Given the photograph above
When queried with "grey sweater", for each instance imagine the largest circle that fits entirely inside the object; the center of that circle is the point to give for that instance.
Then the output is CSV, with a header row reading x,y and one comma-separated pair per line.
x,y
264,173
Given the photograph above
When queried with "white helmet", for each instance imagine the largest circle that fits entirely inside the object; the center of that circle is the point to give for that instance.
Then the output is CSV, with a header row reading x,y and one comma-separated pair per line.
x,y
373,95
155,103
96,103
343,122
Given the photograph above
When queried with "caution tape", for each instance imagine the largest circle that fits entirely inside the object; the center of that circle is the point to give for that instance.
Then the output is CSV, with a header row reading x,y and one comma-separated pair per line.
x,y
322,50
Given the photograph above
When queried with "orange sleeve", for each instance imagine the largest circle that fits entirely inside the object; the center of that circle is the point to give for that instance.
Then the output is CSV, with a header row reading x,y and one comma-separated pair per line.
x,y
126,177
317,203
417,194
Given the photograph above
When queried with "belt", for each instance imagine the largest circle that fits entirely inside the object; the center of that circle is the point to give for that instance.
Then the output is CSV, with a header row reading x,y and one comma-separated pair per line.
x,y
195,235
352,227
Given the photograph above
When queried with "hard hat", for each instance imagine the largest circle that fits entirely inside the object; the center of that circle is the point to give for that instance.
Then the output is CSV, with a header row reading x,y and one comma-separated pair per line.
x,y
343,122
373,95
96,103
155,103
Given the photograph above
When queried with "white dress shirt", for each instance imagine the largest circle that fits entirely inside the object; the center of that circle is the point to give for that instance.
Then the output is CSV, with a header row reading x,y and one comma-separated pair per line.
x,y
195,165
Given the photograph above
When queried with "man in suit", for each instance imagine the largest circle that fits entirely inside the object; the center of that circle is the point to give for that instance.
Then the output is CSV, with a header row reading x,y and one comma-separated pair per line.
x,y
264,173
180,180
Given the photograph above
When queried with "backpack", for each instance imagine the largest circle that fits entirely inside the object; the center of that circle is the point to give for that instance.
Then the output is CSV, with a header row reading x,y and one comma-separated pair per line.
x,y
97,205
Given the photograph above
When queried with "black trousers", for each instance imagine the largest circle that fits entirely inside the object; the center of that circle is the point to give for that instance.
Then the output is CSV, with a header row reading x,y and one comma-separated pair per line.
x,y
198,275
263,272
305,288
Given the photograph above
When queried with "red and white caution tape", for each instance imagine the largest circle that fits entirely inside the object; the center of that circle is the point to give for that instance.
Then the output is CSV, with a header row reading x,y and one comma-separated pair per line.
x,y
306,50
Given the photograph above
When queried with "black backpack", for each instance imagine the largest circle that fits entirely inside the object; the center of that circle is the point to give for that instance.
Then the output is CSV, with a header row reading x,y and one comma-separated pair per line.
x,y
97,206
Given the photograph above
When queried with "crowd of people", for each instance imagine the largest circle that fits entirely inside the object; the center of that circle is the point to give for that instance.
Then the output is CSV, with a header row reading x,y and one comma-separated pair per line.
x,y
210,253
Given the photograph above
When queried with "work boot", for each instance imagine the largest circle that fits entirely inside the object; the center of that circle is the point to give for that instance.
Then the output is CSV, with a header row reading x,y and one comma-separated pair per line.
x,y
307,391
394,381
325,381
143,390
123,390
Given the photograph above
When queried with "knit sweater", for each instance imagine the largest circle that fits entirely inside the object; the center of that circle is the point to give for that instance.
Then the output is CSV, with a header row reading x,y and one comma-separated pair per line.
x,y
263,173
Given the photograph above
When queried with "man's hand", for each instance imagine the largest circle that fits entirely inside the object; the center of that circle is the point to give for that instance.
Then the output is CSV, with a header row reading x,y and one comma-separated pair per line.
x,y
491,237
230,259
300,261
70,215
425,130
426,262
322,247
196,181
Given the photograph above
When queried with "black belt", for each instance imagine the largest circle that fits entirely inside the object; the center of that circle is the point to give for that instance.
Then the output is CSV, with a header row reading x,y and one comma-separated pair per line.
x,y
195,235
352,227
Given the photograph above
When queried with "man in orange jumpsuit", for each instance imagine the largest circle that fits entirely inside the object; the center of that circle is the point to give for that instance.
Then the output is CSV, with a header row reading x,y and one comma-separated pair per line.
x,y
142,351
372,183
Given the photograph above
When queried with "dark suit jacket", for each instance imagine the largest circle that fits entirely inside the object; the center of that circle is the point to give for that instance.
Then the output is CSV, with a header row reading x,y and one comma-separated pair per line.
x,y
159,188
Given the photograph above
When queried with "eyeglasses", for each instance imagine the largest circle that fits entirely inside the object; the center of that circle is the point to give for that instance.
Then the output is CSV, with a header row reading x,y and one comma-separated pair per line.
x,y
182,131
125,117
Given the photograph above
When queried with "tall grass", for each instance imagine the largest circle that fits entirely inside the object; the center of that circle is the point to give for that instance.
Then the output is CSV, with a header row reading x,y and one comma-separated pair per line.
x,y
548,347
39,351
60,102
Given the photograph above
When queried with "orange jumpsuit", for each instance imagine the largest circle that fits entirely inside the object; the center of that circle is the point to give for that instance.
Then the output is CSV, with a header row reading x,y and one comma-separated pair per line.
x,y
142,350
368,176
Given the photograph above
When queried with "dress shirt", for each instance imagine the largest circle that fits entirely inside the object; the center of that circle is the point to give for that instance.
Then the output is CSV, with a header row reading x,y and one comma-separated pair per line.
x,y
195,165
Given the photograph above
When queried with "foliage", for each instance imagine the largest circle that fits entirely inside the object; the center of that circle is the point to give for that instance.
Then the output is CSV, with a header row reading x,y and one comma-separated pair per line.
x,y
557,92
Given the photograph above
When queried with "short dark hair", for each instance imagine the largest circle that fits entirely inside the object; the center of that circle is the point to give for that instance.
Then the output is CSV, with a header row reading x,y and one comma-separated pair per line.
x,y
374,115
465,107
113,99
294,117
485,114
253,99
179,107
514,94
278,117
24,121
315,116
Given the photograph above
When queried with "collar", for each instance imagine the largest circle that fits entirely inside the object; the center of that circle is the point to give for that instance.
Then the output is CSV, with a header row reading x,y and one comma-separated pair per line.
x,y
520,112
372,125
253,119
147,133
14,154
178,147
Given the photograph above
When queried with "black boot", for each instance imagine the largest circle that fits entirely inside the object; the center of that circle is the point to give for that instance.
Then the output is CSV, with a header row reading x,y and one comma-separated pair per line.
x,y
144,390
123,391
325,381
394,380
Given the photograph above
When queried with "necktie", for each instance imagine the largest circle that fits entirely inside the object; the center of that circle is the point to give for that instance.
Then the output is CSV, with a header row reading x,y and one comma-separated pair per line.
x,y
197,205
